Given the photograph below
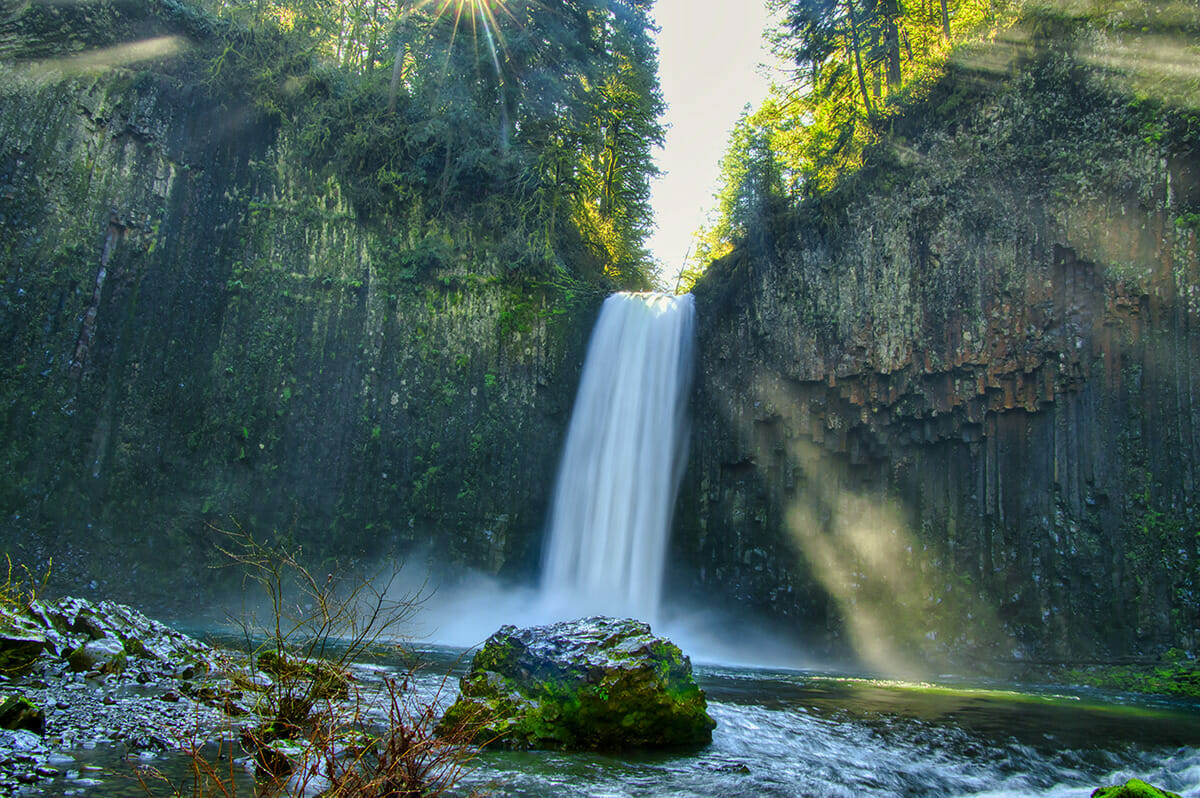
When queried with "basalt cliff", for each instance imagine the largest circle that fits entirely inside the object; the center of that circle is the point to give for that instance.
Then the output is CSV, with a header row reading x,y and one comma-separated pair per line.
x,y
201,335
946,408
954,406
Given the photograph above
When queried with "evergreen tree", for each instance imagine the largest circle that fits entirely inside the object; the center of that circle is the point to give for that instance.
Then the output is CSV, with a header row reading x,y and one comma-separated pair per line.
x,y
540,115
851,60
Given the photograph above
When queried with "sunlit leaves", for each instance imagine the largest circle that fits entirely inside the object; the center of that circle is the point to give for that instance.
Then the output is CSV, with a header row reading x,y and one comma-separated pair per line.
x,y
536,116
855,63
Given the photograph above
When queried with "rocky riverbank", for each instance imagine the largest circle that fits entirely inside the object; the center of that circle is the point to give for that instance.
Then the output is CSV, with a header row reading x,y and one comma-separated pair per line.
x,y
77,675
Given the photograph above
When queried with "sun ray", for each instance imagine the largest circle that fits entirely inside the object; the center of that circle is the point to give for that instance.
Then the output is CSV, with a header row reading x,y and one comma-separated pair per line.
x,y
484,24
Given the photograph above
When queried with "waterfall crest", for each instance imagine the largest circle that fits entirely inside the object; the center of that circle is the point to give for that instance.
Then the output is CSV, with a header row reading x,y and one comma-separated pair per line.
x,y
623,459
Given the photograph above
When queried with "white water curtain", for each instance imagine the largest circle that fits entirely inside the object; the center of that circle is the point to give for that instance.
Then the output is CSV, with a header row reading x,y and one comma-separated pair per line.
x,y
624,456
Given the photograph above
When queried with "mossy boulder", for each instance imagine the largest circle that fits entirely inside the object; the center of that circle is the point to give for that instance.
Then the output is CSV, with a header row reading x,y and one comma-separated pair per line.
x,y
326,679
21,642
1134,788
18,712
591,684
106,655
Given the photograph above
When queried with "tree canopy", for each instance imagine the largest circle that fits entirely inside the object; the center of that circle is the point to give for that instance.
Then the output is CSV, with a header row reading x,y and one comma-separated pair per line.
x,y
852,64
534,117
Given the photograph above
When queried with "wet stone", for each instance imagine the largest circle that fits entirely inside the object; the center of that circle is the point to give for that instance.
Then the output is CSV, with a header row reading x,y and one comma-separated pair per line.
x,y
592,684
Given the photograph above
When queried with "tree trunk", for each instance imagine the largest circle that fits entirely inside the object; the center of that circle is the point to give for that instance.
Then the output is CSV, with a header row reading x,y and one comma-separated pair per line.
x,y
397,68
945,20
858,66
398,64
373,39
891,32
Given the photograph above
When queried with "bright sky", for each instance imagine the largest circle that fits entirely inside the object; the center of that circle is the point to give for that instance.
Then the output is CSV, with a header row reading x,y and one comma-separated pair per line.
x,y
709,57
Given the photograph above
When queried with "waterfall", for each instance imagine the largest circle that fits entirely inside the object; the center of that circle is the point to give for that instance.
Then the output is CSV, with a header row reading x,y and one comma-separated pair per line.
x,y
624,457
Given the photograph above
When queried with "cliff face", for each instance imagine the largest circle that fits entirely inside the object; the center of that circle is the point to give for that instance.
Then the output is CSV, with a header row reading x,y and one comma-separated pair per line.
x,y
957,410
198,332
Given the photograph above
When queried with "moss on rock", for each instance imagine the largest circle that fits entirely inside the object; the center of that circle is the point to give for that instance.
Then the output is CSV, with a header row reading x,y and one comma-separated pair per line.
x,y
1134,788
592,684
18,712
106,655
326,680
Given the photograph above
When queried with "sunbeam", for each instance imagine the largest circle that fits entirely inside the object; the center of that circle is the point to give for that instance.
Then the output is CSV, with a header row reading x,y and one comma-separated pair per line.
x,y
482,16
118,55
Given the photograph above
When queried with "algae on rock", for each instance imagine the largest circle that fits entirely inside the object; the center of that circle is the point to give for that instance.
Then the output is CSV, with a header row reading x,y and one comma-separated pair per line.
x,y
1134,788
591,684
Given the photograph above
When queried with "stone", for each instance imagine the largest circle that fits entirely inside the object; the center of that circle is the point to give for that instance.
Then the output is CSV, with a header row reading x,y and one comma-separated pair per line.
x,y
18,712
21,642
325,679
1134,788
592,684
73,624
106,655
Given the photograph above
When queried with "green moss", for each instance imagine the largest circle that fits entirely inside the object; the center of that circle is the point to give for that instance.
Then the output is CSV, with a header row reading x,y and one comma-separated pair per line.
x,y
18,712
325,680
1134,788
626,699
1174,679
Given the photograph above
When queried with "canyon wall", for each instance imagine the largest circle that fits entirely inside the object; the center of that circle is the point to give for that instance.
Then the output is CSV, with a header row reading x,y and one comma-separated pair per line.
x,y
199,334
953,410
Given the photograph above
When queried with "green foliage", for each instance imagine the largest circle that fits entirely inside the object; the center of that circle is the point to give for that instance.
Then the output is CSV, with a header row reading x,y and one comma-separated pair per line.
x,y
398,260
858,64
1168,678
859,61
874,79
752,188
535,122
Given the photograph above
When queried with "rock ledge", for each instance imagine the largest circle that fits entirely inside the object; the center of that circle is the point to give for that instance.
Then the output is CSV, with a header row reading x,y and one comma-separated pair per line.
x,y
591,684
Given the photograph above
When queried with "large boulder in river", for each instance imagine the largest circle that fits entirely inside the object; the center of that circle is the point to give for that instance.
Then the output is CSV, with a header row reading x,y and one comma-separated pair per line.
x,y
592,684
1134,788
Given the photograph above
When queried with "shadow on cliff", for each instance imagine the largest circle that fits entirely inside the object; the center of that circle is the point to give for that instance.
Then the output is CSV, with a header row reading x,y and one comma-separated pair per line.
x,y
902,610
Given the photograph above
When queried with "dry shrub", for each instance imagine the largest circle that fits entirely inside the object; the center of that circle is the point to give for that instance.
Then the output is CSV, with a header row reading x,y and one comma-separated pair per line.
x,y
316,733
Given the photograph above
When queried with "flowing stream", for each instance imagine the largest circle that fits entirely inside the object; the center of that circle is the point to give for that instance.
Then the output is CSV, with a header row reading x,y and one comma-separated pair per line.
x,y
622,461
805,733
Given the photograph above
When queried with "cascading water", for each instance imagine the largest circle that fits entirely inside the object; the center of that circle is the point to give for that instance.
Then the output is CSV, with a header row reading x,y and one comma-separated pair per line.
x,y
623,460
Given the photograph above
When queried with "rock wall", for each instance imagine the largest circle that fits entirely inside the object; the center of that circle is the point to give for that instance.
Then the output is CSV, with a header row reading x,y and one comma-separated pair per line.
x,y
198,333
956,411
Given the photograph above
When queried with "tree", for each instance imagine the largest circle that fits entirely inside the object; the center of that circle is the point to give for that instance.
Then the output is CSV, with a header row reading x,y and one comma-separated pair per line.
x,y
853,60
538,116
852,57
751,189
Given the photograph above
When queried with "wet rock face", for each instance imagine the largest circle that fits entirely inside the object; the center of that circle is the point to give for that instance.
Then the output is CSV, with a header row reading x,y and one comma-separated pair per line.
x,y
963,416
591,684
194,328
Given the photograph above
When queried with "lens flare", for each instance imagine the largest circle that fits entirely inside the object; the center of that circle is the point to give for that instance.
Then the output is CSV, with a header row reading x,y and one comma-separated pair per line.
x,y
481,17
